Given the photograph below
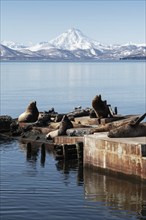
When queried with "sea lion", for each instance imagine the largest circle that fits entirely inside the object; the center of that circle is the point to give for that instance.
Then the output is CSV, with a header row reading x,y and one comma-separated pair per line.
x,y
100,107
128,130
30,115
52,134
64,125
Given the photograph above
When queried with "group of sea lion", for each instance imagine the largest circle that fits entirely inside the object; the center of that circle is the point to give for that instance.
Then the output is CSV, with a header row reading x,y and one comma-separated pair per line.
x,y
101,110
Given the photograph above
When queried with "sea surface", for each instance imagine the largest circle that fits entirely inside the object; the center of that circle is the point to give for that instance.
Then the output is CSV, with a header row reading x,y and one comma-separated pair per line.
x,y
67,85
42,188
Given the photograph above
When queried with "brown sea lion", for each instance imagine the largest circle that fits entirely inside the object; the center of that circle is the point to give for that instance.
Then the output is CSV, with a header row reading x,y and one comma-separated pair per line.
x,y
115,124
64,125
128,130
54,125
131,129
30,115
100,107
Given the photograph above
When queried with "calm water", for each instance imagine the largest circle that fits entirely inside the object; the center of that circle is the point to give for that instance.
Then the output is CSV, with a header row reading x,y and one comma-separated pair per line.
x,y
36,188
66,85
43,188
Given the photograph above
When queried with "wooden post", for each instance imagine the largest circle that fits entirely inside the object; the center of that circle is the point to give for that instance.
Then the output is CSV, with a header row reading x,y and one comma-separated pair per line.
x,y
116,110
111,113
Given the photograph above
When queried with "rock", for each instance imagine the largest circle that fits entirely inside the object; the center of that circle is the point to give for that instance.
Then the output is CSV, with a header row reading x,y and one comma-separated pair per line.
x,y
15,129
79,113
5,122
79,131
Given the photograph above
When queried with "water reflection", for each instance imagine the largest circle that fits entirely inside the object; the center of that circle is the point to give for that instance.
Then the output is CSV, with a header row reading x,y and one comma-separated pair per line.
x,y
116,193
6,142
43,155
32,153
67,166
142,213
56,191
35,152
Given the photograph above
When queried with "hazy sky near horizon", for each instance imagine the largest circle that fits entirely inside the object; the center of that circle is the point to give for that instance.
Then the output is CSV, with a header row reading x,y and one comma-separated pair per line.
x,y
107,21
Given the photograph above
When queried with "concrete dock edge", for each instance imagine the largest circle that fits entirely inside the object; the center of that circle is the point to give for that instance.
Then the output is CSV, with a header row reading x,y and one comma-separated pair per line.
x,y
121,155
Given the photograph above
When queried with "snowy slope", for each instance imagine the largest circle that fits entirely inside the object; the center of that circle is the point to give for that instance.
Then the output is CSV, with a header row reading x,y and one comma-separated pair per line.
x,y
41,46
8,52
14,45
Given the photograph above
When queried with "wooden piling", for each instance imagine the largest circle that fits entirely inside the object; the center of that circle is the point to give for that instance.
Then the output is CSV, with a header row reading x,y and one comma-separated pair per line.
x,y
69,151
116,110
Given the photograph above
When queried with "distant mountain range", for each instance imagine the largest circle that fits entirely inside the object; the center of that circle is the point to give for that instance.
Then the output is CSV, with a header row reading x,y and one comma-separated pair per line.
x,y
72,45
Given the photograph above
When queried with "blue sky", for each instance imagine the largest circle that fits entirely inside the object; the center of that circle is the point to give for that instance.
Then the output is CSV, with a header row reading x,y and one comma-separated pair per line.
x,y
105,21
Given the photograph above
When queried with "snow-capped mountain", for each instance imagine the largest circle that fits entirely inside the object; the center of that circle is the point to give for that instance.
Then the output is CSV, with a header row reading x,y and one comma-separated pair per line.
x,y
74,39
71,45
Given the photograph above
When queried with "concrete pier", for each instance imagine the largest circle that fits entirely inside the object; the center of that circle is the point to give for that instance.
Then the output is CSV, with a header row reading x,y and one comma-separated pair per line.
x,y
121,155
67,140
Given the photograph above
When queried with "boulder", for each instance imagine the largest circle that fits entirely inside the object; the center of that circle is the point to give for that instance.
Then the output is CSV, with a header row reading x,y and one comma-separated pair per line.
x,y
5,122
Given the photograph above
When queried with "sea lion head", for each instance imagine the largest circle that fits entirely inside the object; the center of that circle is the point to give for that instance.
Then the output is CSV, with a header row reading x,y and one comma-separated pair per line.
x,y
32,107
96,100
